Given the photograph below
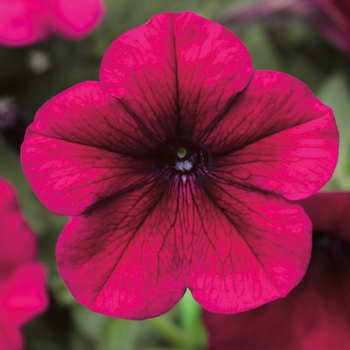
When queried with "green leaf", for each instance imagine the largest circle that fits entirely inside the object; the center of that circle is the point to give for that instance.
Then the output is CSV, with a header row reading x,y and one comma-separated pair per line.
x,y
79,342
336,94
189,311
262,51
190,319
89,323
118,334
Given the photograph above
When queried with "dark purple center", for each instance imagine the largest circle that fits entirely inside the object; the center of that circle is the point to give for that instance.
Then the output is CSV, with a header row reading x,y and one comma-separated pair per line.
x,y
183,157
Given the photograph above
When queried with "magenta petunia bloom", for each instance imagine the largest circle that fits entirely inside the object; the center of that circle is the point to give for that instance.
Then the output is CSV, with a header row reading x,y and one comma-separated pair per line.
x,y
22,279
315,315
24,22
179,167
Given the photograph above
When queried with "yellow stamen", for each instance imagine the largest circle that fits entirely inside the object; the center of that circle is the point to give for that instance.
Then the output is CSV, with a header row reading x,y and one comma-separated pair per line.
x,y
181,152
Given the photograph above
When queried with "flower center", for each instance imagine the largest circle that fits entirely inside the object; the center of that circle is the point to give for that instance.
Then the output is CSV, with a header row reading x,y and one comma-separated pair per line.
x,y
182,156
181,152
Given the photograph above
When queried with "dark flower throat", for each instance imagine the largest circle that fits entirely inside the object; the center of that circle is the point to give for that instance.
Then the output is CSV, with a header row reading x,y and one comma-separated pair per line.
x,y
183,157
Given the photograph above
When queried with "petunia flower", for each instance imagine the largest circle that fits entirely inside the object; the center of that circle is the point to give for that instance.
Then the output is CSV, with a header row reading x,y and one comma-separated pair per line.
x,y
22,279
24,22
314,315
179,168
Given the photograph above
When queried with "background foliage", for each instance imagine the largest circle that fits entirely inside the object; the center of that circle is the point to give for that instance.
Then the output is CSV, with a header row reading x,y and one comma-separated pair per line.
x,y
289,46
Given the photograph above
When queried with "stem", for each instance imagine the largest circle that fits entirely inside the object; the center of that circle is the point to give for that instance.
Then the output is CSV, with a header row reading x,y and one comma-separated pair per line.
x,y
172,333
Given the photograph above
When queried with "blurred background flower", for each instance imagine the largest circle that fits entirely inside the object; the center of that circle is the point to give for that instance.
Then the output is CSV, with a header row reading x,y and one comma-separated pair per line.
x,y
23,293
24,22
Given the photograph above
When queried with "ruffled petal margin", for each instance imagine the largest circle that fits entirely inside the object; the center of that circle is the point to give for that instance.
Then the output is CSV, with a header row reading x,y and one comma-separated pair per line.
x,y
314,316
234,250
120,258
251,248
278,137
82,147
177,73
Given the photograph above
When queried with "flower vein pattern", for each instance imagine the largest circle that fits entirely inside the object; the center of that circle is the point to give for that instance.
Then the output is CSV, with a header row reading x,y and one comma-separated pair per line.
x,y
179,168
315,314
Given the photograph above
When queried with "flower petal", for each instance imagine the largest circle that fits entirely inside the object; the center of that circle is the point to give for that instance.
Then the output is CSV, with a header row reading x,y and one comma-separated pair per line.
x,y
314,316
120,258
278,137
10,337
18,244
22,22
233,250
23,296
74,19
177,72
329,212
82,147
253,248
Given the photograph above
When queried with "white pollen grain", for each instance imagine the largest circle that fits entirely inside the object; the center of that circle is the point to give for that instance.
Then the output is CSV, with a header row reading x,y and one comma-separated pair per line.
x,y
182,166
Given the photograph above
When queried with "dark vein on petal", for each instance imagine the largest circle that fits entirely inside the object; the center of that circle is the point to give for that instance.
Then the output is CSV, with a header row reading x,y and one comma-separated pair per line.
x,y
264,136
223,211
147,214
79,142
177,96
150,134
202,219
103,201
220,116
